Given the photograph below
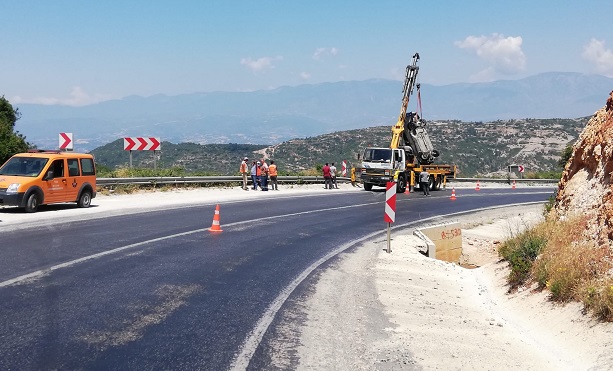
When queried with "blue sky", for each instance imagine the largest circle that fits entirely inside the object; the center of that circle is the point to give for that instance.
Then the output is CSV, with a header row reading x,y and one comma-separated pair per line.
x,y
83,52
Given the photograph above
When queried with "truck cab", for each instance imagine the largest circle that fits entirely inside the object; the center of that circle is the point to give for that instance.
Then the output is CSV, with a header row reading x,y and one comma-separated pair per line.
x,y
382,165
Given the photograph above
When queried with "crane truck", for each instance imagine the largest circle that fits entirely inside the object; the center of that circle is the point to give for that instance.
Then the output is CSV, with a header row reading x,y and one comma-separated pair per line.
x,y
410,149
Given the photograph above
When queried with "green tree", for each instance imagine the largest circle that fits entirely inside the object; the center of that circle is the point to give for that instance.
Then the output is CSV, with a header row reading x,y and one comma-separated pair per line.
x,y
11,141
565,156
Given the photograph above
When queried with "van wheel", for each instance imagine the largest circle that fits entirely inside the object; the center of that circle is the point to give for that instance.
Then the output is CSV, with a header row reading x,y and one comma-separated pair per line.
x,y
32,203
85,200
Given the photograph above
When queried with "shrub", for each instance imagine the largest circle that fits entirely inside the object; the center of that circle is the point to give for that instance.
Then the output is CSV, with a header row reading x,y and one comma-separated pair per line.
x,y
521,252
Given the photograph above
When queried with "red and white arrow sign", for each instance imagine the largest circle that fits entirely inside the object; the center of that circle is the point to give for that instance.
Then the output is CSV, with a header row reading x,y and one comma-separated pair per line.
x,y
520,168
390,202
141,144
66,141
344,168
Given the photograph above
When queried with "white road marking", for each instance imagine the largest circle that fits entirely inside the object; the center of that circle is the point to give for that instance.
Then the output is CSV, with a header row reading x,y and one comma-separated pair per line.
x,y
241,362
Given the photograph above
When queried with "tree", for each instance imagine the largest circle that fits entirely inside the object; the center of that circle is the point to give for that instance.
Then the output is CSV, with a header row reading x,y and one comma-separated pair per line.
x,y
11,141
565,156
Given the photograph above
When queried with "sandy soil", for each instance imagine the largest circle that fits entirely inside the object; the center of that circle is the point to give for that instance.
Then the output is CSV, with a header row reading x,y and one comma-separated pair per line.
x,y
440,316
374,310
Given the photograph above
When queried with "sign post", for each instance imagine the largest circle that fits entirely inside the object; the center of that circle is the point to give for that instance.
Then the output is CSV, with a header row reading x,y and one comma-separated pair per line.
x,y
390,210
344,168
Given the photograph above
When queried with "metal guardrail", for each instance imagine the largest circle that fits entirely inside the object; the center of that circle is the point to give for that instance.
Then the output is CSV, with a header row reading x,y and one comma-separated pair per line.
x,y
154,181
502,180
208,180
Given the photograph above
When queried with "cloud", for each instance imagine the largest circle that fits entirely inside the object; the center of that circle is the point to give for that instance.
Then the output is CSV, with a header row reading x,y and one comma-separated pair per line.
x,y
503,54
596,52
305,75
324,52
260,64
78,97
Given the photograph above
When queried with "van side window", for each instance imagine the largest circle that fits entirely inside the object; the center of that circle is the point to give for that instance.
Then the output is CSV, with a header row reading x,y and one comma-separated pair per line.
x,y
58,168
73,167
87,166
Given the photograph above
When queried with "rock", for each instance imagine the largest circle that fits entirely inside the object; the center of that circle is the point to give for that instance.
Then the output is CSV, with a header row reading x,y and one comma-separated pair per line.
x,y
585,187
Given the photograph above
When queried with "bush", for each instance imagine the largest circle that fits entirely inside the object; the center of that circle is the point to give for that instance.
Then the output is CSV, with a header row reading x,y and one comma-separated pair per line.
x,y
521,252
558,257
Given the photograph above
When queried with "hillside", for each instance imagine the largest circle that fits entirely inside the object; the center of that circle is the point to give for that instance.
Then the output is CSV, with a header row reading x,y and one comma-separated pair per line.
x,y
475,147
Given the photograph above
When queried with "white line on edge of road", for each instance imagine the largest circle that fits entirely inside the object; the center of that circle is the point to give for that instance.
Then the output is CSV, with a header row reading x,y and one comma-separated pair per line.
x,y
241,362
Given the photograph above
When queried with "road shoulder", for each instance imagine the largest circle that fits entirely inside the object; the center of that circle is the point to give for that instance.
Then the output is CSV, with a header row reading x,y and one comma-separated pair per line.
x,y
440,315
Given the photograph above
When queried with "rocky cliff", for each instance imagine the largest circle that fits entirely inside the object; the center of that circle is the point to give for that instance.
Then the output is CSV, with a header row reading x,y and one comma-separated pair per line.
x,y
585,187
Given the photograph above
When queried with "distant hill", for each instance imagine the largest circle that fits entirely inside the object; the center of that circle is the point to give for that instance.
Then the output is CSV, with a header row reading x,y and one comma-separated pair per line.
x,y
277,115
475,147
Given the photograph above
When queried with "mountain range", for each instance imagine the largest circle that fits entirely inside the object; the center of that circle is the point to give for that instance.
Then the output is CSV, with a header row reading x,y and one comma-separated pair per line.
x,y
277,115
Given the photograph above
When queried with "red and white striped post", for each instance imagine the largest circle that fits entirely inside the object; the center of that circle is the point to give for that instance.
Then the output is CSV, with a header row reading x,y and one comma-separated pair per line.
x,y
390,210
344,168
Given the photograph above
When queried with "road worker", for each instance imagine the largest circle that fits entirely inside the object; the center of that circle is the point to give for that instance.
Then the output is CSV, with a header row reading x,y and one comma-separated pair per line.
x,y
243,170
254,175
353,183
272,171
327,177
263,175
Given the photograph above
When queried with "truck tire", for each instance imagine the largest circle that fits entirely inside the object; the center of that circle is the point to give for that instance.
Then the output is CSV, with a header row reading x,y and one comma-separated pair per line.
x,y
431,183
367,186
437,183
401,185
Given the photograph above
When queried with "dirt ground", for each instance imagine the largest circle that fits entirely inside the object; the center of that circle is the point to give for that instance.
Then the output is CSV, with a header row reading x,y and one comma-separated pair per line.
x,y
380,311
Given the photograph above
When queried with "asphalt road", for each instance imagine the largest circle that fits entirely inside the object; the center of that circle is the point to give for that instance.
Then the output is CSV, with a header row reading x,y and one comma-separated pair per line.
x,y
157,290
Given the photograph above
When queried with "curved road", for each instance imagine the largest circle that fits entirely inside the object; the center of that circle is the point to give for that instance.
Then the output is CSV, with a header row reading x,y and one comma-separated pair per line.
x,y
158,291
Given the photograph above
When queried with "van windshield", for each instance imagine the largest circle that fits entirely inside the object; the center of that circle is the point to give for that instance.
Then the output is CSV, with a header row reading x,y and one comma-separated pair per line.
x,y
23,166
377,154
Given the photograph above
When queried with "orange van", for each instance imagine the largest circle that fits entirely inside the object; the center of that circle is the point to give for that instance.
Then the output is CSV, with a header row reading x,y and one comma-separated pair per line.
x,y
44,177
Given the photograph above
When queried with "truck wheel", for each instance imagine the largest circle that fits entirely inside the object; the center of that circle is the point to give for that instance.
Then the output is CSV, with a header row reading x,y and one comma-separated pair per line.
x,y
431,183
367,186
32,203
401,185
85,199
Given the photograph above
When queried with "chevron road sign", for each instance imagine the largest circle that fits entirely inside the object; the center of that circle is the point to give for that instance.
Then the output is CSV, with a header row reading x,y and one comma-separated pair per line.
x,y
390,202
66,141
390,210
141,144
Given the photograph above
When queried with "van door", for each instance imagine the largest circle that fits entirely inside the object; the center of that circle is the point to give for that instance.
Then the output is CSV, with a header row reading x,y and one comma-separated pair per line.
x,y
74,179
55,183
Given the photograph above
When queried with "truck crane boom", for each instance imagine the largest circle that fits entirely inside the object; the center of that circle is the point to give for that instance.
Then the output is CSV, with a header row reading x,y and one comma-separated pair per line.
x,y
410,149
407,90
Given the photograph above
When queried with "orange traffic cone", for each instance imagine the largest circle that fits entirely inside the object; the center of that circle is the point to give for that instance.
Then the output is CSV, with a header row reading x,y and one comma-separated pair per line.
x,y
513,186
215,227
478,188
452,194
407,190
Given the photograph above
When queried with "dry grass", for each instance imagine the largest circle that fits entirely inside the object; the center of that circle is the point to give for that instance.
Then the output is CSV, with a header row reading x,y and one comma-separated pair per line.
x,y
556,255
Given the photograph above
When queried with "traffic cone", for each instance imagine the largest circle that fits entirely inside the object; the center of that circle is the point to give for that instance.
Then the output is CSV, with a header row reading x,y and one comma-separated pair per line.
x,y
452,194
215,227
406,190
478,188
513,186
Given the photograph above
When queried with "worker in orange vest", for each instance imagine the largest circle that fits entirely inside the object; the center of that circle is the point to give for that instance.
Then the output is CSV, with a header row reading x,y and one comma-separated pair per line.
x,y
272,171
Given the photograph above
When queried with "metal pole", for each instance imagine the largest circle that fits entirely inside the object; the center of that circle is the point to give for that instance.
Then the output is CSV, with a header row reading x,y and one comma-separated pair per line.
x,y
389,244
130,159
155,166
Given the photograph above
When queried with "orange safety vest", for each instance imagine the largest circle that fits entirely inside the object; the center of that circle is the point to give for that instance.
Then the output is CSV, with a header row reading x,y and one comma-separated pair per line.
x,y
272,170
258,170
243,168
